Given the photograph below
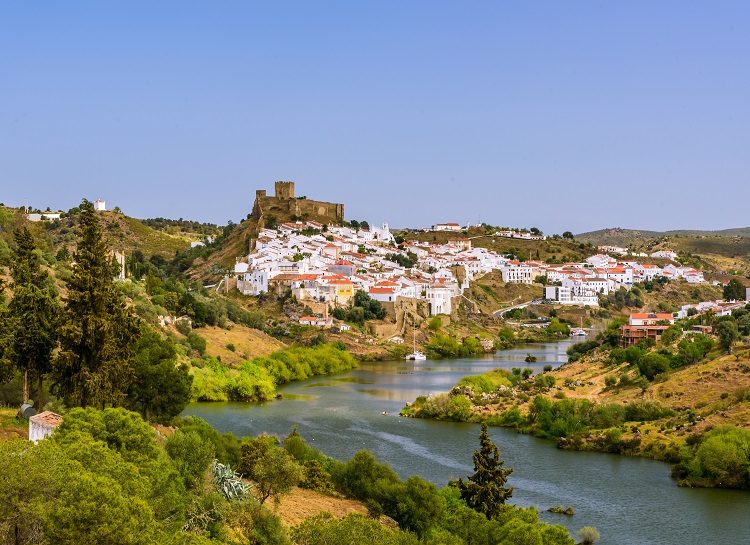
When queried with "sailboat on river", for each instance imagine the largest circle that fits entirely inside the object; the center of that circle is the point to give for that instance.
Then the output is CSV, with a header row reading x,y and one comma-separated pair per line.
x,y
416,355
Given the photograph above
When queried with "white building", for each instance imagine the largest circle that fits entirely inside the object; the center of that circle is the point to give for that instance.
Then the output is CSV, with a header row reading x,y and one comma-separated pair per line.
x,y
518,273
601,261
44,216
251,281
100,205
439,299
43,425
665,254
446,227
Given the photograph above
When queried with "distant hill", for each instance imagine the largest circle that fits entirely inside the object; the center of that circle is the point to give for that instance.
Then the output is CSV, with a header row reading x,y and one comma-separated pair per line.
x,y
622,237
122,233
726,250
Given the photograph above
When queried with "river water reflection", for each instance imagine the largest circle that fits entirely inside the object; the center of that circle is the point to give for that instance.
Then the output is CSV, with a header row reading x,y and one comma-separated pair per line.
x,y
630,501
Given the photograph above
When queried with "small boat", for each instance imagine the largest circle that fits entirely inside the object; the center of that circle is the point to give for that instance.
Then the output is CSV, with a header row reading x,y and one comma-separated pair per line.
x,y
530,358
416,355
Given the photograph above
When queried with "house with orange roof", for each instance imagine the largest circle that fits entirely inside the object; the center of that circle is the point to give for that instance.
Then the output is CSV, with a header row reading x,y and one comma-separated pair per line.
x,y
644,327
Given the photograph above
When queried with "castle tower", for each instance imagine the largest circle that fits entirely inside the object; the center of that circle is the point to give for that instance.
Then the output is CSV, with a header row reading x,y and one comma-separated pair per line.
x,y
284,190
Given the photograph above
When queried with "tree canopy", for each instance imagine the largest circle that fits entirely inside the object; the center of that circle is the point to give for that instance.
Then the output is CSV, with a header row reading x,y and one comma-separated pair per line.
x,y
485,490
98,335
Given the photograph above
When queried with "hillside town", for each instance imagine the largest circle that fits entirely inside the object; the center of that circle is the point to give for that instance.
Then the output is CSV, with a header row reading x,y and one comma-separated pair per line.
x,y
326,263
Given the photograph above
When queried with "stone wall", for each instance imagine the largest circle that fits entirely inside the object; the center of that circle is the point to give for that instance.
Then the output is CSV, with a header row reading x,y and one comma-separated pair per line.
x,y
284,206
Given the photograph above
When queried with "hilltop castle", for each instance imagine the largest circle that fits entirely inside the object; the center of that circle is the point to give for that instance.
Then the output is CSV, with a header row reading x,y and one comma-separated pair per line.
x,y
284,204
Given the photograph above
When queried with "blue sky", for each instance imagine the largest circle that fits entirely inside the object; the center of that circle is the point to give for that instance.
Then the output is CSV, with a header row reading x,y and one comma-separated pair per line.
x,y
562,115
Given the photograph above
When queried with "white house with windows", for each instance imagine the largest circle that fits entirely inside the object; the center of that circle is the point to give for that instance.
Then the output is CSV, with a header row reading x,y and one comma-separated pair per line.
x,y
439,299
518,273
601,261
251,281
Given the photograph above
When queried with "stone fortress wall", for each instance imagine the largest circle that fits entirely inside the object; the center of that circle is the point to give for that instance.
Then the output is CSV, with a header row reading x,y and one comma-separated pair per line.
x,y
285,202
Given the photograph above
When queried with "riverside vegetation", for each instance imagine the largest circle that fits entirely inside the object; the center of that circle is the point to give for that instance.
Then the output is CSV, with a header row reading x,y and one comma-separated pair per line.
x,y
108,476
685,401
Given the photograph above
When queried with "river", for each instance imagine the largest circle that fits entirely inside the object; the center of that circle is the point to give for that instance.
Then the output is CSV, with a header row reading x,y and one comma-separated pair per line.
x,y
631,501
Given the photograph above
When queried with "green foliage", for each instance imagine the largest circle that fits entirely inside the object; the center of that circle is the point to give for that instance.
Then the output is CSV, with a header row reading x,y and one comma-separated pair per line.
x,y
97,338
226,446
575,351
692,350
351,530
100,479
544,381
728,334
632,355
622,298
486,382
407,261
262,527
161,389
653,364
485,491
275,473
361,308
568,417
644,411
32,317
444,346
435,323
556,328
191,454
721,458
256,380
734,290
196,342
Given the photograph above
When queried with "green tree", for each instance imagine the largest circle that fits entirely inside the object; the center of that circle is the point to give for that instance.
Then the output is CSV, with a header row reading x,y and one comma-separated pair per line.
x,y
32,315
728,334
653,364
275,473
98,335
6,367
191,455
353,529
734,290
485,490
161,388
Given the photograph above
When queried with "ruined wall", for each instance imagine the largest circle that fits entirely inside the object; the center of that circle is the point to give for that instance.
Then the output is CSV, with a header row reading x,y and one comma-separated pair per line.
x,y
284,205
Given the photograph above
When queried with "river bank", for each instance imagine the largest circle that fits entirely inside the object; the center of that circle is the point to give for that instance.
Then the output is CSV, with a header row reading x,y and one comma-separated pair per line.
x,y
630,500
593,405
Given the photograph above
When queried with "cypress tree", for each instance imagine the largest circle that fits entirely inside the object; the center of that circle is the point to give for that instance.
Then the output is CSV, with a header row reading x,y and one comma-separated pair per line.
x,y
32,315
98,335
6,367
485,490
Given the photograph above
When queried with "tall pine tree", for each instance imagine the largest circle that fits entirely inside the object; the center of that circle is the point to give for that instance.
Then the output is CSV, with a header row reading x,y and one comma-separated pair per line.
x,y
485,490
32,315
98,335
6,367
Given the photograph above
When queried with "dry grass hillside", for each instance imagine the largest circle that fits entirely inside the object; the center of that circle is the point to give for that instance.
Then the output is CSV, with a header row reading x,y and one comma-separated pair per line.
x,y
552,250
238,343
725,251
302,503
